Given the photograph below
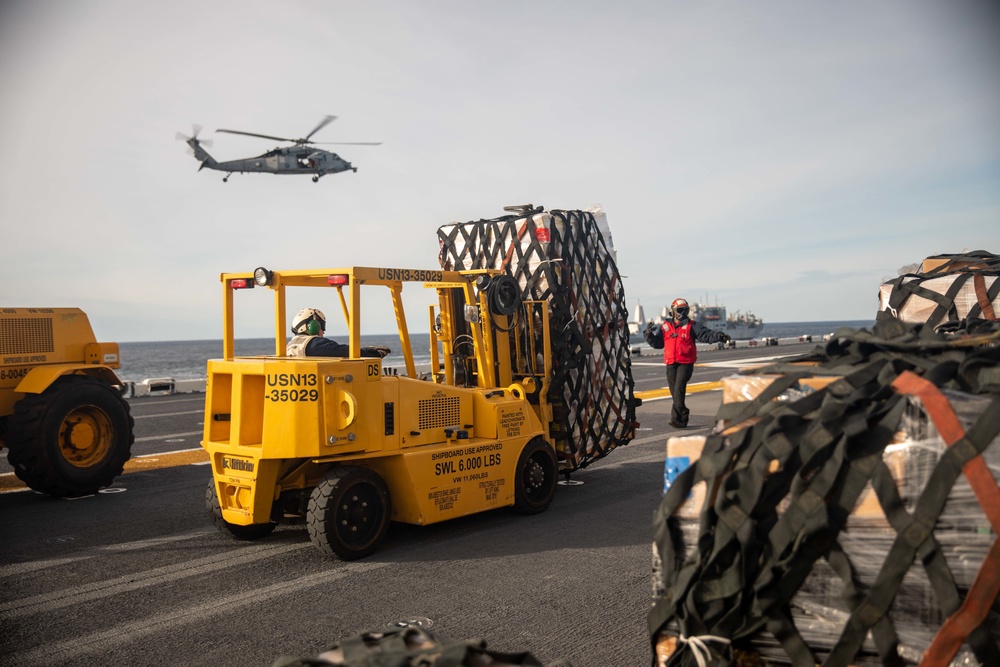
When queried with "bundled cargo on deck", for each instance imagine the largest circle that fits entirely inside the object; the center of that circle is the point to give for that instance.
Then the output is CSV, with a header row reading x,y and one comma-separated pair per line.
x,y
844,511
566,259
945,291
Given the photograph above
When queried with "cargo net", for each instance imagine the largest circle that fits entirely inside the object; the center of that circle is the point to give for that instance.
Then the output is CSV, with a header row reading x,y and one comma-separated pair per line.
x,y
947,292
850,524
560,257
412,646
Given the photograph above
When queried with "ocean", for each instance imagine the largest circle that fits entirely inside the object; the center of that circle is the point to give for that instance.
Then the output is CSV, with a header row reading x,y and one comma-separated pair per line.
x,y
187,359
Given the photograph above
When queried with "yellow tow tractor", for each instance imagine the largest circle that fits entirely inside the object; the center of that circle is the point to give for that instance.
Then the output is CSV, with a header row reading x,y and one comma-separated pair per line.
x,y
346,445
66,427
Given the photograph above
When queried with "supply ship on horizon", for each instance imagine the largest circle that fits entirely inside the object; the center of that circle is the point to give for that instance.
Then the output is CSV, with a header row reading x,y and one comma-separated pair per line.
x,y
738,325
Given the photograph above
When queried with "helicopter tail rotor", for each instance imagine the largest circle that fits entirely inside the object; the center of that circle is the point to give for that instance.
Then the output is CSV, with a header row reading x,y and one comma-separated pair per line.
x,y
195,131
196,147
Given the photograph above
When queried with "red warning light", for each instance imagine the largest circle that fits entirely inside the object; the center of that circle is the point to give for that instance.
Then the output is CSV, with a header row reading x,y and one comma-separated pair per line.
x,y
241,283
337,279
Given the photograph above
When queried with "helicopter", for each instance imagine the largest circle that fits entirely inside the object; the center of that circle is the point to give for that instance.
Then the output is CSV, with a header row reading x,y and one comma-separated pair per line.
x,y
300,158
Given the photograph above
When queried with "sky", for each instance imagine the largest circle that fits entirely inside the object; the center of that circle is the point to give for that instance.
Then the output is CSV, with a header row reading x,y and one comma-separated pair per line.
x,y
780,157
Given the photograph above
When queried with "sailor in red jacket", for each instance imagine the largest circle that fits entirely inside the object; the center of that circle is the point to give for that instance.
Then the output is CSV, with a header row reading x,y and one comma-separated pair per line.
x,y
677,337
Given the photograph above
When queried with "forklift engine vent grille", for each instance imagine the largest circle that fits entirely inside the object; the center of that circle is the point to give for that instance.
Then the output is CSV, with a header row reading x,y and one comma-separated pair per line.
x,y
26,335
439,412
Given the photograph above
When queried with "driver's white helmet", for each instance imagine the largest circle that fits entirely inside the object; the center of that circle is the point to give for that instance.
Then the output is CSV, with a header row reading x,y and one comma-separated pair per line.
x,y
300,322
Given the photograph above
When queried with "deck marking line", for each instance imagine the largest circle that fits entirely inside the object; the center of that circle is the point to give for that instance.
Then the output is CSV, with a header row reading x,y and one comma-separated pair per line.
x,y
49,602
664,392
105,641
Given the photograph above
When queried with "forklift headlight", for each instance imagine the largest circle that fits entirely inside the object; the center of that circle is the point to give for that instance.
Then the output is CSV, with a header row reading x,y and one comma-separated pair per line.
x,y
262,276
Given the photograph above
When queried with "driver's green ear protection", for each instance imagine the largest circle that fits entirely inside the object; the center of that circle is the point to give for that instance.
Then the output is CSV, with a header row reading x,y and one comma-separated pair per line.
x,y
313,328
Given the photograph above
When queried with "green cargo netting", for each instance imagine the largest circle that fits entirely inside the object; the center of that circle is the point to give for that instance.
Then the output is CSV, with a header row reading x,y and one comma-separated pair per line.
x,y
412,647
560,257
779,564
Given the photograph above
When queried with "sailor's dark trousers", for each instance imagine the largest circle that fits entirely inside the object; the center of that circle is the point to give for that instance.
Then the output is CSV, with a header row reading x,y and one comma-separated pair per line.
x,y
677,379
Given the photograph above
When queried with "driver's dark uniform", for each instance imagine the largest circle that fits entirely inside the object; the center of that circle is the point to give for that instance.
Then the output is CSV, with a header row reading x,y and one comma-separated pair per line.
x,y
305,345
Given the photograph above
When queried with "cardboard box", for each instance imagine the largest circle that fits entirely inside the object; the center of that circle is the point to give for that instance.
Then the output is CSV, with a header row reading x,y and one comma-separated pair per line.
x,y
682,452
748,387
934,262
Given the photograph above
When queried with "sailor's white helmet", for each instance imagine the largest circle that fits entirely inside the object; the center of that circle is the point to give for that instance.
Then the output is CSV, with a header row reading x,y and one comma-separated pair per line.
x,y
300,322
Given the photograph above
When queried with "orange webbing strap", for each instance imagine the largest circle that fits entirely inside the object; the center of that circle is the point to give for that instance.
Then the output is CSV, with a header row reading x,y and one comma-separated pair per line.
x,y
957,628
970,615
937,406
982,297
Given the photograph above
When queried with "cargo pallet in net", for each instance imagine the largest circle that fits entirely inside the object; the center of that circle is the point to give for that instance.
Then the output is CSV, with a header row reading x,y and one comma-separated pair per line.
x,y
848,521
947,290
561,258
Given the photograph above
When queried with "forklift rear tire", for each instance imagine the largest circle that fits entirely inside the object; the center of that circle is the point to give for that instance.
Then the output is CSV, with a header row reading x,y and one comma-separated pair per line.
x,y
535,480
254,531
348,512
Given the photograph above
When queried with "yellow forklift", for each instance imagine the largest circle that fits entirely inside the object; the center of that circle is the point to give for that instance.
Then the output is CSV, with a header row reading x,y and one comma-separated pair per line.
x,y
346,444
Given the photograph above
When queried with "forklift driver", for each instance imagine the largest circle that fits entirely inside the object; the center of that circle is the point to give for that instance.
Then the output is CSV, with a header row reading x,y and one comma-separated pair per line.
x,y
308,328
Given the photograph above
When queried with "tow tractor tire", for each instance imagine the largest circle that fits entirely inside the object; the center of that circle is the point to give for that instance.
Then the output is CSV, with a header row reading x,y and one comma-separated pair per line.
x,y
349,512
535,480
247,533
72,439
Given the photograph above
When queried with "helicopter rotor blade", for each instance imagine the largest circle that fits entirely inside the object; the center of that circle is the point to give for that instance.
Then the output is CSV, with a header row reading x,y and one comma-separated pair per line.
x,y
195,131
260,136
323,123
348,143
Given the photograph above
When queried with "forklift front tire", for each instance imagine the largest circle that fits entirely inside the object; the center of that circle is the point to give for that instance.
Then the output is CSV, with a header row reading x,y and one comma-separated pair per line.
x,y
535,480
348,512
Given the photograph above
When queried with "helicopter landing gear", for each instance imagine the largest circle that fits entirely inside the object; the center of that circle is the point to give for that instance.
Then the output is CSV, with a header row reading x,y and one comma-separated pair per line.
x,y
315,179
225,179
354,169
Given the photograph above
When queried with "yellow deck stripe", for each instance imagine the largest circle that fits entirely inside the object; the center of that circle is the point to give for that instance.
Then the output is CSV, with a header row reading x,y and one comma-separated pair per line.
x,y
664,392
